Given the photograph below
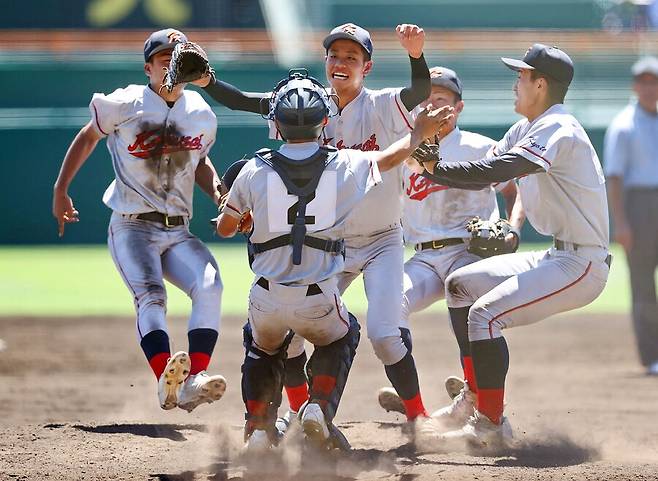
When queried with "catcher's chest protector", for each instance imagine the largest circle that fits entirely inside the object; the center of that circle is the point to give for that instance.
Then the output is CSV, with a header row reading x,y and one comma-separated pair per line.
x,y
301,178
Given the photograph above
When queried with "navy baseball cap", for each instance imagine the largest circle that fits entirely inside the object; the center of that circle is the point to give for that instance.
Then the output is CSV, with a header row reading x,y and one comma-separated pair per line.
x,y
352,32
548,60
446,78
162,40
645,65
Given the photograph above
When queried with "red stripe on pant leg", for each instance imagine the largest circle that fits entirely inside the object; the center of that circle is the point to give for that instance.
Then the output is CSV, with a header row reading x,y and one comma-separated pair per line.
x,y
589,266
297,395
490,403
414,407
200,361
158,363
469,374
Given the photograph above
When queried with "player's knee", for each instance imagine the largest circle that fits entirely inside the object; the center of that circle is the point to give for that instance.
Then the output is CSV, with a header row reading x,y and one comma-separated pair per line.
x,y
152,302
456,288
481,324
389,349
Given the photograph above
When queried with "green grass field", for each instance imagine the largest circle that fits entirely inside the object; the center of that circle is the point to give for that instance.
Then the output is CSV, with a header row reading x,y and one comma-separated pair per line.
x,y
79,281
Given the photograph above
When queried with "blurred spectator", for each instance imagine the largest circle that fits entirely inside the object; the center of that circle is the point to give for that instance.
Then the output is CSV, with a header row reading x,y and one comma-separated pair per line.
x,y
631,165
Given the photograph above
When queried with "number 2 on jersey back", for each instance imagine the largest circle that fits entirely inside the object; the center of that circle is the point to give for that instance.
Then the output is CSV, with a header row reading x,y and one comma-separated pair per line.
x,y
282,207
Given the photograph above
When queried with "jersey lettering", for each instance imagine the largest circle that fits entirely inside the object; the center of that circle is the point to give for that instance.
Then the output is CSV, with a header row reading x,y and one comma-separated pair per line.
x,y
282,206
292,212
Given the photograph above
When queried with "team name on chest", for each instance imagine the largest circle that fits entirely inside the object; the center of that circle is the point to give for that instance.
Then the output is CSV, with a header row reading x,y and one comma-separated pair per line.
x,y
155,142
368,145
420,187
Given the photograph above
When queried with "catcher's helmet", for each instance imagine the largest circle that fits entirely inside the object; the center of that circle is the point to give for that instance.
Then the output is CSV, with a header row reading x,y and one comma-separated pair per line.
x,y
299,105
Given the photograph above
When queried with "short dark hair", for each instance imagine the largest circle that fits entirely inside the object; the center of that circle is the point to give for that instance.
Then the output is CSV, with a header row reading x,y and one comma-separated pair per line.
x,y
556,90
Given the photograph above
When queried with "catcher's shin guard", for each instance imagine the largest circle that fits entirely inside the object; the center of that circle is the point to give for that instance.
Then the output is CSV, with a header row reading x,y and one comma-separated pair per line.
x,y
328,368
262,382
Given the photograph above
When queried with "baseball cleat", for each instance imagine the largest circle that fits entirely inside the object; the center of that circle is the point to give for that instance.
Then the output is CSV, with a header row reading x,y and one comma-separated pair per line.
x,y
199,389
314,424
389,400
171,380
258,442
282,424
456,413
454,385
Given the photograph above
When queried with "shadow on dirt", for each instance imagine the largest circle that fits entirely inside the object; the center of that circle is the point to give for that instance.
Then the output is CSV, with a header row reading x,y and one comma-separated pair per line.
x,y
166,431
556,451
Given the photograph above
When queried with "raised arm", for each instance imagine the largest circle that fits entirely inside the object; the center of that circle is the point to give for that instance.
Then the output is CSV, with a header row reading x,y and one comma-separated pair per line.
x,y
412,38
234,98
79,151
427,125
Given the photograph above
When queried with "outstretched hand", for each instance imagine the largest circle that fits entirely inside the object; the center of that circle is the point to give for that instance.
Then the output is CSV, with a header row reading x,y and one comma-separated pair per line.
x,y
412,38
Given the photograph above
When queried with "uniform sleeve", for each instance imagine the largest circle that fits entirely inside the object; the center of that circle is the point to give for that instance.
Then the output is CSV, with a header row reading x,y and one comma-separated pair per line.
x,y
505,144
392,112
616,151
364,170
107,112
211,136
542,143
239,197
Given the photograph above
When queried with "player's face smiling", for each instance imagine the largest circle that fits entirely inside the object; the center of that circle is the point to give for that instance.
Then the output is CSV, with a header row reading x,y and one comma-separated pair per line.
x,y
346,66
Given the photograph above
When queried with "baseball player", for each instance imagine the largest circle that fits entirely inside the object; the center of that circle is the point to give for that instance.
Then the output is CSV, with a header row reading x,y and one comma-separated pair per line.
x,y
371,120
558,171
299,198
435,219
159,143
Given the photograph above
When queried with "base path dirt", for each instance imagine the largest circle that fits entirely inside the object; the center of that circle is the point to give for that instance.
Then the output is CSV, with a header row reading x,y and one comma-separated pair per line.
x,y
78,402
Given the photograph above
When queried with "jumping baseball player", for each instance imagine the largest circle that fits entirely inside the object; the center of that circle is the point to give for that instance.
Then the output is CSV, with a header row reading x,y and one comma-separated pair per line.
x,y
159,143
371,120
435,219
559,172
299,198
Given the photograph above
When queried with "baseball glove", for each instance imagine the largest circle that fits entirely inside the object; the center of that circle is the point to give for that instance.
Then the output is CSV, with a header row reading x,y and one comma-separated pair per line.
x,y
426,152
188,62
488,238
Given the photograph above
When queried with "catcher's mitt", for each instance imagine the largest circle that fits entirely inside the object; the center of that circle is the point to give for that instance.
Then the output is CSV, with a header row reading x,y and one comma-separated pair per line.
x,y
426,152
488,238
188,62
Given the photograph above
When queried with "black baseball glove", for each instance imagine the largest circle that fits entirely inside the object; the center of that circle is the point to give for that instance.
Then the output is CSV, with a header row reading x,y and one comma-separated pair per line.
x,y
427,152
188,62
488,238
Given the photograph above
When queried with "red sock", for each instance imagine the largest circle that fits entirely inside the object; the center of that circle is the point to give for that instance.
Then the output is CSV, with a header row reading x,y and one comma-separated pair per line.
x,y
414,407
200,361
469,374
258,413
158,363
297,395
490,403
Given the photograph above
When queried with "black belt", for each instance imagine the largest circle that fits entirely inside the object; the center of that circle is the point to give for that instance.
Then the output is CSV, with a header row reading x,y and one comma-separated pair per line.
x,y
332,246
439,244
561,246
313,289
167,220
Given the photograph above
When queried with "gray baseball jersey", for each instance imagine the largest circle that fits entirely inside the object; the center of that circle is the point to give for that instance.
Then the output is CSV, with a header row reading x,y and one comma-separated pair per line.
x,y
567,201
573,182
155,149
344,183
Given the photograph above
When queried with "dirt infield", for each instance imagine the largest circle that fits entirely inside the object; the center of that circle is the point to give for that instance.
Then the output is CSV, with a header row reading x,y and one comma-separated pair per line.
x,y
78,402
